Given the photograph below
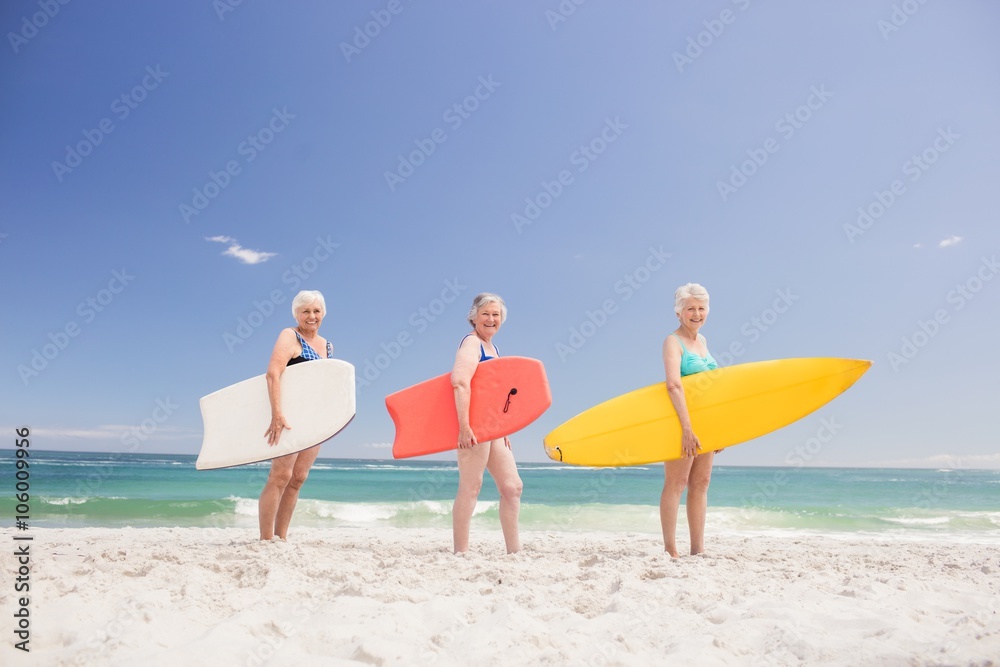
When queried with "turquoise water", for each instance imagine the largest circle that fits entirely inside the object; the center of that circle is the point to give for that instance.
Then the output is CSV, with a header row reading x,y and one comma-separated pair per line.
x,y
98,489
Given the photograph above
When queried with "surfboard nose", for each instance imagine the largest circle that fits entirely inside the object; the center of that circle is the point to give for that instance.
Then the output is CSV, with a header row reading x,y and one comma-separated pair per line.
x,y
859,368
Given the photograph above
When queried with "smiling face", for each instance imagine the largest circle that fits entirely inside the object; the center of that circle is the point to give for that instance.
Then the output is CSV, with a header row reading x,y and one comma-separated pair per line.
x,y
693,314
488,320
309,317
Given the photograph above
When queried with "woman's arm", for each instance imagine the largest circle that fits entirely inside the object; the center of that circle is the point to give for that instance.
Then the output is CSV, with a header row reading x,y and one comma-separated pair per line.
x,y
672,367
285,348
466,362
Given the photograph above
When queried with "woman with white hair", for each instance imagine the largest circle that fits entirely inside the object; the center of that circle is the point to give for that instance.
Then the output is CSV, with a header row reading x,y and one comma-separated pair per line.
x,y
294,345
488,312
685,352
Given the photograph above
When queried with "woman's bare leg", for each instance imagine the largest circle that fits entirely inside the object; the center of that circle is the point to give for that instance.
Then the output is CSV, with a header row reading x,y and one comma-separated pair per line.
x,y
300,471
503,469
270,496
697,499
675,479
471,464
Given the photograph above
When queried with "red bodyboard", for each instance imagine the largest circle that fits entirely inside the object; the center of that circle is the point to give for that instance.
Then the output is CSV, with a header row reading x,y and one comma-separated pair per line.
x,y
507,394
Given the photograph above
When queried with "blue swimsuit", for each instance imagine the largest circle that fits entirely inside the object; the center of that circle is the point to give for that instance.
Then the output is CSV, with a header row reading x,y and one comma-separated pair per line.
x,y
309,354
482,350
692,363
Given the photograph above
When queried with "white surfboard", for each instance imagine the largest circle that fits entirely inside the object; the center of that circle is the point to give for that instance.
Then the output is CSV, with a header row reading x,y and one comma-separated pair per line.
x,y
317,398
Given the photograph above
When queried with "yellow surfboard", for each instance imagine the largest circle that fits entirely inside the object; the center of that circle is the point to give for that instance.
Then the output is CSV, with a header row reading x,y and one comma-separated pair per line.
x,y
727,406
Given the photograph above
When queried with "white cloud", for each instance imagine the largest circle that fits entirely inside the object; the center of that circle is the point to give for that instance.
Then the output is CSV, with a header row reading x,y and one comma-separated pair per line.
x,y
248,256
244,255
950,241
378,445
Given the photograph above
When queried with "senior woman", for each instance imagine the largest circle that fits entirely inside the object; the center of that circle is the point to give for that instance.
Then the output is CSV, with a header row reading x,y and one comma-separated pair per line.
x,y
488,312
294,345
685,352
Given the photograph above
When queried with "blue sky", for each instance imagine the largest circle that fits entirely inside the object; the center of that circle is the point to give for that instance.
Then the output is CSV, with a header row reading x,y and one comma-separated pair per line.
x,y
175,172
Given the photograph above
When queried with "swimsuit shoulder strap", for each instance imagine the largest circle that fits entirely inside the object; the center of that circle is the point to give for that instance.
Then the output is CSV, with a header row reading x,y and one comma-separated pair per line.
x,y
683,346
481,348
307,351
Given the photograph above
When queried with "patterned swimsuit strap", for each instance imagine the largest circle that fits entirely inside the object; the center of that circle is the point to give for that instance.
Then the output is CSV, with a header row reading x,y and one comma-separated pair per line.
x,y
307,351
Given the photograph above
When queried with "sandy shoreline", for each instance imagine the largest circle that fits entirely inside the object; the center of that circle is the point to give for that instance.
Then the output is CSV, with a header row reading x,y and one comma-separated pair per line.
x,y
352,596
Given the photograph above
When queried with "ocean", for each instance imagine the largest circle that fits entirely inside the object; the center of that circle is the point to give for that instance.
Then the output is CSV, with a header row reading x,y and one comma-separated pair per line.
x,y
152,490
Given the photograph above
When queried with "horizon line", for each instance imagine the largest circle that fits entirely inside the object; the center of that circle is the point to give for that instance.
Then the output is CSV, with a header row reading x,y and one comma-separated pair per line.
x,y
871,466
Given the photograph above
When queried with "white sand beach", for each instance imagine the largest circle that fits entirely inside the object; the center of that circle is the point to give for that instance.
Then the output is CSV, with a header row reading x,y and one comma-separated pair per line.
x,y
352,596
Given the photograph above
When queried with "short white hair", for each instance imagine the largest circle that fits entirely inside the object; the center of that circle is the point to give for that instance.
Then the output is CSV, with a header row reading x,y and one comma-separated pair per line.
x,y
689,291
306,297
481,300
